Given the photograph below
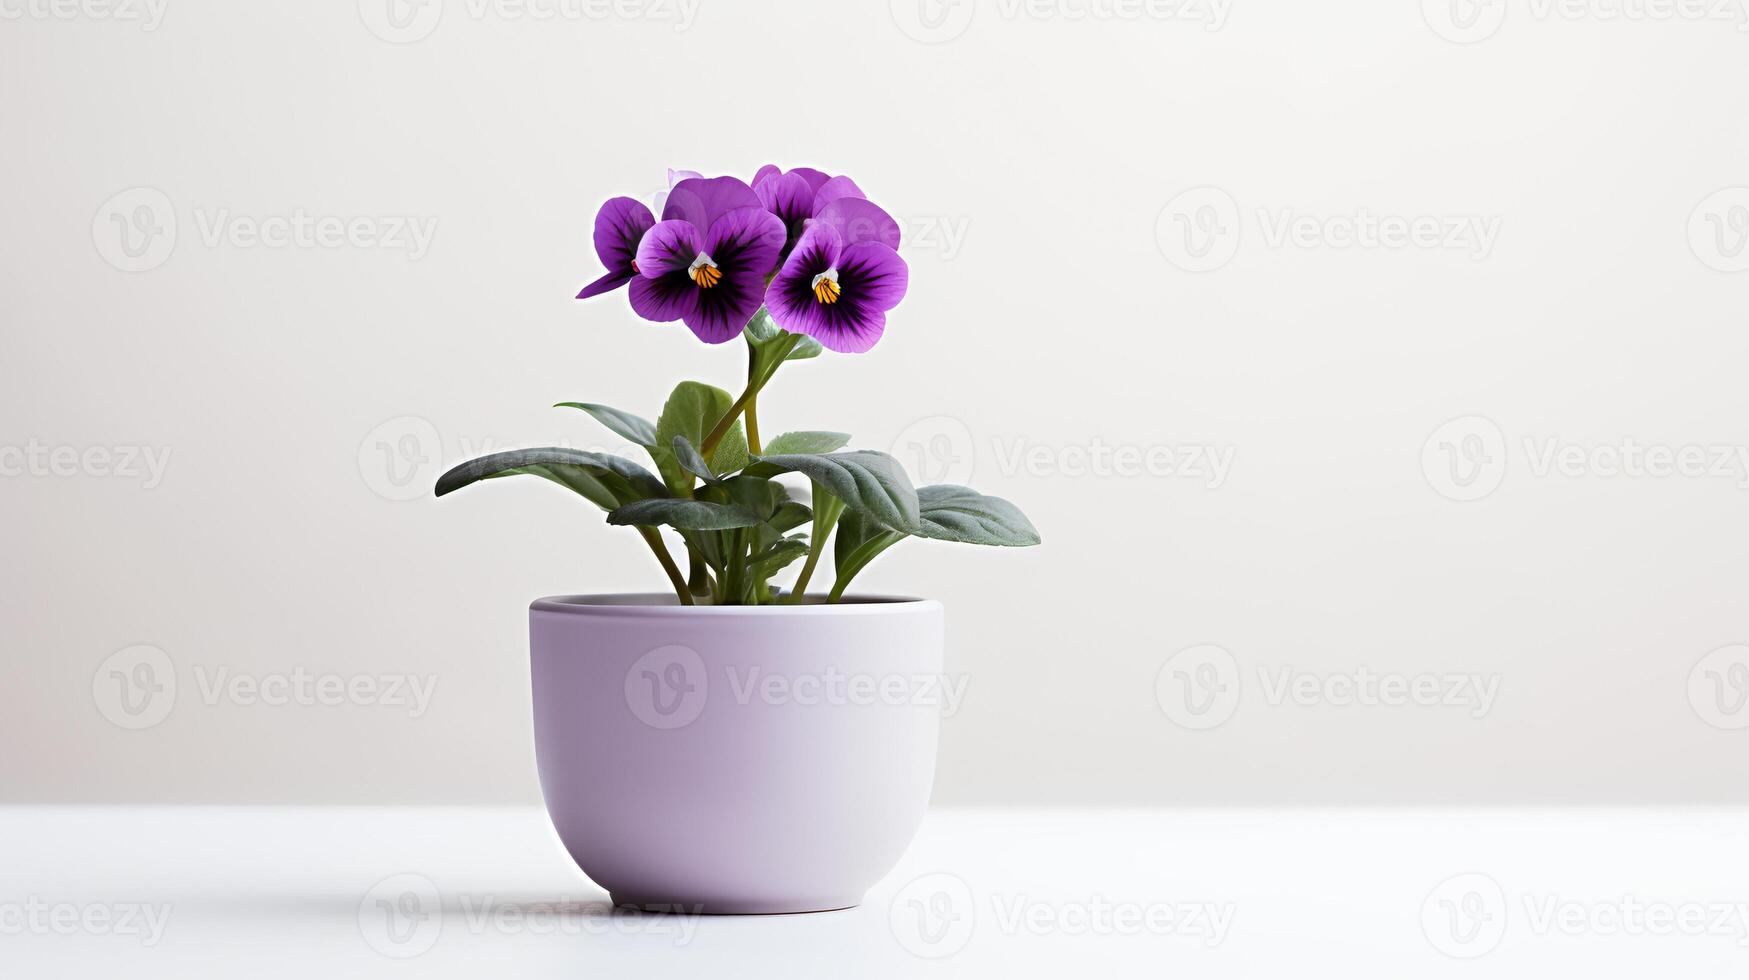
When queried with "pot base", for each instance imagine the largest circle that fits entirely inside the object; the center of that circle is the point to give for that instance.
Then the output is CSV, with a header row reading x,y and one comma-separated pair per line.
x,y
795,906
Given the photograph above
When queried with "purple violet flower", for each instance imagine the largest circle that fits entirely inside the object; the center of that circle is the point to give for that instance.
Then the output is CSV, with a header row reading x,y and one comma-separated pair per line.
x,y
799,194
842,277
619,226
707,261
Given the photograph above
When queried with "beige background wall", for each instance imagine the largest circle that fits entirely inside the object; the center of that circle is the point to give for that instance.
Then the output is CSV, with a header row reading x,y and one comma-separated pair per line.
x,y
1198,285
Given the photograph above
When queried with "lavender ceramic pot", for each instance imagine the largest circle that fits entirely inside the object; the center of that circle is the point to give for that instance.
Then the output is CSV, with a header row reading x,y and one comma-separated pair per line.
x,y
736,759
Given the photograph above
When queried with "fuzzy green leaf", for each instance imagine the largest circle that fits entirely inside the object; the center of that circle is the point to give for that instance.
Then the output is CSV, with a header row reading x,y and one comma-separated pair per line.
x,y
807,442
624,424
607,481
691,515
954,513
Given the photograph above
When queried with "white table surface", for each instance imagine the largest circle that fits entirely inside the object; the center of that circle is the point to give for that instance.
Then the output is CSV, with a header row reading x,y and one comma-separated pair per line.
x,y
291,892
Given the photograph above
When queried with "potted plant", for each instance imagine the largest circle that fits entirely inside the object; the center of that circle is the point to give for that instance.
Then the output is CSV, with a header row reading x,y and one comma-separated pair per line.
x,y
736,745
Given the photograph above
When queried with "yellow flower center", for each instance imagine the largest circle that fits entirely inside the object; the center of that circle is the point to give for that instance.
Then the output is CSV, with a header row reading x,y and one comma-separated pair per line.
x,y
826,289
704,271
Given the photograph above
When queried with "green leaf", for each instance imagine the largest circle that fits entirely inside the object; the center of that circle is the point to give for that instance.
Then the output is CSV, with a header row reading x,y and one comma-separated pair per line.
x,y
773,559
859,540
790,514
624,424
762,331
954,513
869,482
692,411
807,442
692,515
691,461
607,481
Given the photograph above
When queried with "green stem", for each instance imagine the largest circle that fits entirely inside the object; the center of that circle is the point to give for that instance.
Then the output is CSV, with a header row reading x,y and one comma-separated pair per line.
x,y
753,425
699,581
757,378
654,538
860,558
734,578
827,510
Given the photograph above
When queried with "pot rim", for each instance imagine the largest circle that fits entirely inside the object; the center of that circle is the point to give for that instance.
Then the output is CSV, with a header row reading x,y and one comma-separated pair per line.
x,y
664,604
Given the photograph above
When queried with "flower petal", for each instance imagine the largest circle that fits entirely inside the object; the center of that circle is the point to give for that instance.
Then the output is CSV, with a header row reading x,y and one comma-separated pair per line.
x,y
769,170
664,298
873,275
834,189
744,244
668,246
607,283
790,298
619,226
814,178
858,221
676,176
703,200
